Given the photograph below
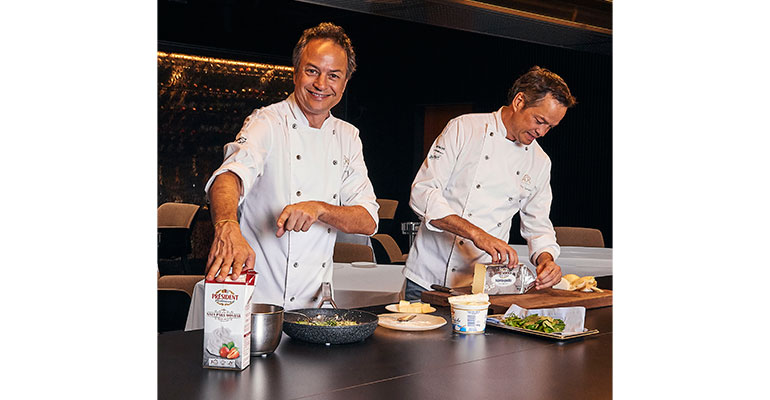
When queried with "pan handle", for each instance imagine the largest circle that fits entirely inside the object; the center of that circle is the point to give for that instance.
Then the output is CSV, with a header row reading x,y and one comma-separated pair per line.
x,y
326,295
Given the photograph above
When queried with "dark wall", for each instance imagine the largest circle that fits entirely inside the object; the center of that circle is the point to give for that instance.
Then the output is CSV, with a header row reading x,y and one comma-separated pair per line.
x,y
405,66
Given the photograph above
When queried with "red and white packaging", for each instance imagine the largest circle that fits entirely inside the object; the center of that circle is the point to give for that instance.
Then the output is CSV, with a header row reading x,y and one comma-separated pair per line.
x,y
227,322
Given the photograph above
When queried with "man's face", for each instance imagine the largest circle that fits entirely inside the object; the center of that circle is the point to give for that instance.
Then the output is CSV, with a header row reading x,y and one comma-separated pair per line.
x,y
530,123
320,79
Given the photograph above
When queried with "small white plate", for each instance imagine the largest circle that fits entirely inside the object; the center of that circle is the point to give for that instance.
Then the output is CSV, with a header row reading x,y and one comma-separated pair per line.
x,y
394,308
422,322
363,264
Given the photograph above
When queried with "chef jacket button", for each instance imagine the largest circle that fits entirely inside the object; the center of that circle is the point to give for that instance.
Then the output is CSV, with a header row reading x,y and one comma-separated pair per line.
x,y
499,224
510,199
526,148
454,269
293,126
299,193
334,132
461,243
292,298
334,162
491,134
328,230
323,265
470,214
296,264
517,172
486,157
478,186
299,157
334,196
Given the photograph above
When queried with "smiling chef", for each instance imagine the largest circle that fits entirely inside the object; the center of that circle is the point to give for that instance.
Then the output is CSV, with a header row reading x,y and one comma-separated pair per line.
x,y
293,177
481,171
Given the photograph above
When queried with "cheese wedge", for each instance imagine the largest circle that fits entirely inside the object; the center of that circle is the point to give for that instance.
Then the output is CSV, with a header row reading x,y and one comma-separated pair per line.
x,y
563,284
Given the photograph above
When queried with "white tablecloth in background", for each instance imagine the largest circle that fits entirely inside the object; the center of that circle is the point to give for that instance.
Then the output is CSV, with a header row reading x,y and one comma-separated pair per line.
x,y
353,288
581,261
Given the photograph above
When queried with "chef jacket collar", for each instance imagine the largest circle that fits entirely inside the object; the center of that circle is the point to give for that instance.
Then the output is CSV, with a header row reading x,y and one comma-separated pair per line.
x,y
299,116
501,127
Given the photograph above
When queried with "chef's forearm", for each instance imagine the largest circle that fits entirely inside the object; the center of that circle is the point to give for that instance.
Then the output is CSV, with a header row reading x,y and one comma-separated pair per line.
x,y
348,219
223,196
543,257
459,226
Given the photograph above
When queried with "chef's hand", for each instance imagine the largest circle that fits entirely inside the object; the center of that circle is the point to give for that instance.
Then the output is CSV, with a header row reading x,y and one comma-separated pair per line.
x,y
299,217
229,249
548,273
498,249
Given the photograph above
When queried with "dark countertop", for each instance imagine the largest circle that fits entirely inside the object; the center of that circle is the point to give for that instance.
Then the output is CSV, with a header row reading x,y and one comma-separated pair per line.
x,y
436,364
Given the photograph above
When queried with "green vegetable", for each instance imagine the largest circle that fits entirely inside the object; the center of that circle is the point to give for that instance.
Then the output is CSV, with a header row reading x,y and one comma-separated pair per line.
x,y
229,345
535,323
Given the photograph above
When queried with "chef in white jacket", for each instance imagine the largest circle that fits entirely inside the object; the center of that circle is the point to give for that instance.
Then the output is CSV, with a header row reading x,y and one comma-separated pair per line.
x,y
481,171
294,176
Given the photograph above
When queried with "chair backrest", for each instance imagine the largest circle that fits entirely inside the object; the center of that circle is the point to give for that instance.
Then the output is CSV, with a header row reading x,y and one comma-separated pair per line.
x,y
391,247
349,252
181,282
173,306
585,237
387,208
176,215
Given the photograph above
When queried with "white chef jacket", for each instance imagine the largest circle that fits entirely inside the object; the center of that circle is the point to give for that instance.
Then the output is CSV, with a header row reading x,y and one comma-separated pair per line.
x,y
473,171
281,160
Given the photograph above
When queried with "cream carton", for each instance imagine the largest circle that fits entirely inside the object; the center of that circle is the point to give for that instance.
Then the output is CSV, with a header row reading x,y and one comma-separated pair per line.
x,y
227,322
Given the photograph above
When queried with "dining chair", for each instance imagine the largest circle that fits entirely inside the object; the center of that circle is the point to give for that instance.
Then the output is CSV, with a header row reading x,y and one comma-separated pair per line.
x,y
575,236
180,282
349,252
387,208
174,221
392,250
173,306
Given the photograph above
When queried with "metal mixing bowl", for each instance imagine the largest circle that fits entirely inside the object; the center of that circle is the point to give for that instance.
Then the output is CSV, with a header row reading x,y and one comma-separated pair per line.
x,y
266,328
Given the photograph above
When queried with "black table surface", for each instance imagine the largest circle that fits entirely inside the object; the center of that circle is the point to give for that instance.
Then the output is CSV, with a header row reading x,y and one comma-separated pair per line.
x,y
435,364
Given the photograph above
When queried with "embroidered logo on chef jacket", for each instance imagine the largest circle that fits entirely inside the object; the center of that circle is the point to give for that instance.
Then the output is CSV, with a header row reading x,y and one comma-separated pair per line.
x,y
438,151
526,183
241,140
346,170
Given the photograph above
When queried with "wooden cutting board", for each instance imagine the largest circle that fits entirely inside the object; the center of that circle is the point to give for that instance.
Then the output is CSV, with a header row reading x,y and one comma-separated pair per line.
x,y
545,298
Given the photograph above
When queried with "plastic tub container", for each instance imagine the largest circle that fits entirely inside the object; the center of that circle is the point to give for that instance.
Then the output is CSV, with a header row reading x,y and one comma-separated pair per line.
x,y
469,317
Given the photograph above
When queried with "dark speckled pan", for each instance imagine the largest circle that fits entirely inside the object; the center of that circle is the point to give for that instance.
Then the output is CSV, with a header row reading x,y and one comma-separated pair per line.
x,y
367,322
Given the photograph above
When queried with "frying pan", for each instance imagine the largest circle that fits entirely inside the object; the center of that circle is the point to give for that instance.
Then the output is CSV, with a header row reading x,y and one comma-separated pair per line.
x,y
367,322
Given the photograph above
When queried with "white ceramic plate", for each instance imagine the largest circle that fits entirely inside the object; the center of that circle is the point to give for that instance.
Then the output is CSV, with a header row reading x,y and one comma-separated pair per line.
x,y
422,322
363,264
394,308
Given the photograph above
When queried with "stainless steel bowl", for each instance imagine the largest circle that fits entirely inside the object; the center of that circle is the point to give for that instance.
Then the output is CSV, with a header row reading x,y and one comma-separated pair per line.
x,y
266,328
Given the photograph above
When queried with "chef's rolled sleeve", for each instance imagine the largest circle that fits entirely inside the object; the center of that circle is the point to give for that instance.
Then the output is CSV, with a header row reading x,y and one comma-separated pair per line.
x,y
426,198
245,157
357,189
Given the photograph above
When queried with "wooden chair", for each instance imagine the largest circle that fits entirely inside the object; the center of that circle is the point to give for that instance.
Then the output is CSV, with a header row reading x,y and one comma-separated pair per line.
x,y
174,221
180,282
395,256
173,306
387,208
349,252
176,215
585,237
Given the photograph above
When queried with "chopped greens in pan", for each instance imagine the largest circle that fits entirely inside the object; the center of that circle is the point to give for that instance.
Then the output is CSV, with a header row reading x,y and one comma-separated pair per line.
x,y
329,322
535,323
